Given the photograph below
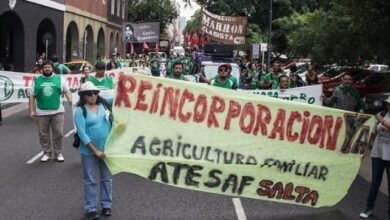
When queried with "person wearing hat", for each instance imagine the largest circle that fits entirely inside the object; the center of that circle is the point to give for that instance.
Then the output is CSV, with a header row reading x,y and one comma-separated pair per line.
x,y
380,159
93,128
102,81
47,110
224,78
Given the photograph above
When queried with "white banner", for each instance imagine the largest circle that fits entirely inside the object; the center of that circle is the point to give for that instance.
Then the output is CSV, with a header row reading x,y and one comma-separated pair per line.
x,y
14,86
306,94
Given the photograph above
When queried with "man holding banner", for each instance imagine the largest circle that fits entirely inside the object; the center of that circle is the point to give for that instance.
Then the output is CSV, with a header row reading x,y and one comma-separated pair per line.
x,y
46,109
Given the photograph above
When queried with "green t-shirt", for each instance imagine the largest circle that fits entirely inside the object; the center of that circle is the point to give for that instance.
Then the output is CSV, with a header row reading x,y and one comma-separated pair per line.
x,y
154,64
61,68
232,78
104,84
274,79
228,84
181,77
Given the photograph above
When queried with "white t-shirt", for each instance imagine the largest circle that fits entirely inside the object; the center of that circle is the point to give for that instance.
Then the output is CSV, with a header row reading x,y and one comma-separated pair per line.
x,y
381,147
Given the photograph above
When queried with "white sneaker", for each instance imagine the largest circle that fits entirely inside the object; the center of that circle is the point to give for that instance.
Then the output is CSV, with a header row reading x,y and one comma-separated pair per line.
x,y
366,213
45,158
60,158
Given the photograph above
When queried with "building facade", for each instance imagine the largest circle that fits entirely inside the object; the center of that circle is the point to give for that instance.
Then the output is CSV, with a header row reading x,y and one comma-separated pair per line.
x,y
93,29
29,28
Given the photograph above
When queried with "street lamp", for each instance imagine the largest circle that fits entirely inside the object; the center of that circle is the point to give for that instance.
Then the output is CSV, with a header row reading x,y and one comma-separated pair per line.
x,y
269,35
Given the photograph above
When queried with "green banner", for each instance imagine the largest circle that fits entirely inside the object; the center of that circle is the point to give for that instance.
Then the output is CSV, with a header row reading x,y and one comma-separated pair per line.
x,y
205,138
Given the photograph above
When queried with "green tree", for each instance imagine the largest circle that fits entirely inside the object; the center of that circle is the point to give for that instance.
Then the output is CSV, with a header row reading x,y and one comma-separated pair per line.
x,y
152,10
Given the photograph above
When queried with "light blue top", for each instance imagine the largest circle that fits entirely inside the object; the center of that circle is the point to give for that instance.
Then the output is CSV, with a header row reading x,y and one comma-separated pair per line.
x,y
93,128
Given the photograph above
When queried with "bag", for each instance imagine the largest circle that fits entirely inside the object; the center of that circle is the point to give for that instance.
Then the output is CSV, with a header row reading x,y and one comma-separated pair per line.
x,y
76,138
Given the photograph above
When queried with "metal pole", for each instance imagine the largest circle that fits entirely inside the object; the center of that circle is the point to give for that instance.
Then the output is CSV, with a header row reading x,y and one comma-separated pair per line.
x,y
269,35
47,47
1,116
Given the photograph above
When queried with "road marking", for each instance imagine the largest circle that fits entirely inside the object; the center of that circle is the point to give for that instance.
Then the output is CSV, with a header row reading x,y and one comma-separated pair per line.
x,y
14,109
32,160
239,209
69,133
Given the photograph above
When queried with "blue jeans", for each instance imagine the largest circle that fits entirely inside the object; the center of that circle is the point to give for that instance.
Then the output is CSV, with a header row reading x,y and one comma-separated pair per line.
x,y
91,165
378,167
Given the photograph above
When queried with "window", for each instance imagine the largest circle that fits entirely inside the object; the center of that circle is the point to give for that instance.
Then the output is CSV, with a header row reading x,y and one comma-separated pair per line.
x,y
123,9
118,8
112,7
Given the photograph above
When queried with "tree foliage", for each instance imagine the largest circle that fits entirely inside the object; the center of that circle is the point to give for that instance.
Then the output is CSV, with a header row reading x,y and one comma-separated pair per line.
x,y
152,10
343,31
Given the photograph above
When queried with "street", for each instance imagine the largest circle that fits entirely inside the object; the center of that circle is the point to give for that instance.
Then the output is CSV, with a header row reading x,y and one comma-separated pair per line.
x,y
34,190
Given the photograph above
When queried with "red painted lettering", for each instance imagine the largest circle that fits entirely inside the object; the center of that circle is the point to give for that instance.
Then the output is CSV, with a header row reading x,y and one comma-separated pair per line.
x,y
233,112
126,85
187,95
279,125
140,105
217,106
200,109
248,110
263,118
171,100
316,121
295,115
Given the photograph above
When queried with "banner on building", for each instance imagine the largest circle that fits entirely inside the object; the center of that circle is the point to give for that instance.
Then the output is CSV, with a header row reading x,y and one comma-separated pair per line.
x,y
306,94
216,140
141,32
225,29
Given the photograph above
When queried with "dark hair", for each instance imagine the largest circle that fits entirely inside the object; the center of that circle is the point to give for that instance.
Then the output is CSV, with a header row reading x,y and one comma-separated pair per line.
x,y
54,58
293,68
82,101
347,74
47,62
282,76
100,65
177,63
131,27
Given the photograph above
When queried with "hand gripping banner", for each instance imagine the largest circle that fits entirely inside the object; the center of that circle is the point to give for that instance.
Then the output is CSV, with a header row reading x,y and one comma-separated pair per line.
x,y
216,140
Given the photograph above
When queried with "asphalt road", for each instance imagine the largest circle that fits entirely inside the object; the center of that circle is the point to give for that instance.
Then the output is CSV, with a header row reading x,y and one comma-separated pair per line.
x,y
54,190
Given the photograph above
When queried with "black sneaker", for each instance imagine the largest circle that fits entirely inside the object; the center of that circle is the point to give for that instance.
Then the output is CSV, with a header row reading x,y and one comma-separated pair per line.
x,y
366,213
92,215
106,212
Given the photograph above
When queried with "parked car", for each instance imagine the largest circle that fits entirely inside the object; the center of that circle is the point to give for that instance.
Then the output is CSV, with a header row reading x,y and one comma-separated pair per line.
x,y
179,50
379,68
331,73
375,102
365,81
76,66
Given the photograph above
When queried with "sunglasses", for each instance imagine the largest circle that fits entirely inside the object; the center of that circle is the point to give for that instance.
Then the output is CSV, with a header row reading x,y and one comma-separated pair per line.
x,y
91,93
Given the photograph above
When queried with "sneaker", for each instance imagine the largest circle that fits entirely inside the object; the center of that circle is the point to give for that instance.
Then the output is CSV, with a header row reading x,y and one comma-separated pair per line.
x,y
45,158
92,215
106,212
366,213
60,158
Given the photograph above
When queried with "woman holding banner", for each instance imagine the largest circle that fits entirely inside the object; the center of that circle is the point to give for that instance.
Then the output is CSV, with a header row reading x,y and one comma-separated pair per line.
x,y
93,126
380,157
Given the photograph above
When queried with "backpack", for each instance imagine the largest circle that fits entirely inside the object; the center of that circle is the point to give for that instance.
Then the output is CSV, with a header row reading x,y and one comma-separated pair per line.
x,y
76,137
57,69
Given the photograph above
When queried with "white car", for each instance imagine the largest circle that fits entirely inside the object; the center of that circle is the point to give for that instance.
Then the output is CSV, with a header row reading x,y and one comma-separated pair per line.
x,y
379,68
178,50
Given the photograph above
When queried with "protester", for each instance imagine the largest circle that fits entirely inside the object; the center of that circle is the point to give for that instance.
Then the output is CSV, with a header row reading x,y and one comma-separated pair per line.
x,y
37,69
254,79
102,81
45,107
380,159
177,72
155,66
224,78
284,82
295,79
111,65
311,76
59,68
85,74
93,128
345,96
271,80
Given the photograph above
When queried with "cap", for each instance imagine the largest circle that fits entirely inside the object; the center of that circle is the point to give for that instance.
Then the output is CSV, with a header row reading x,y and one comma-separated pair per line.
x,y
88,86
100,65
